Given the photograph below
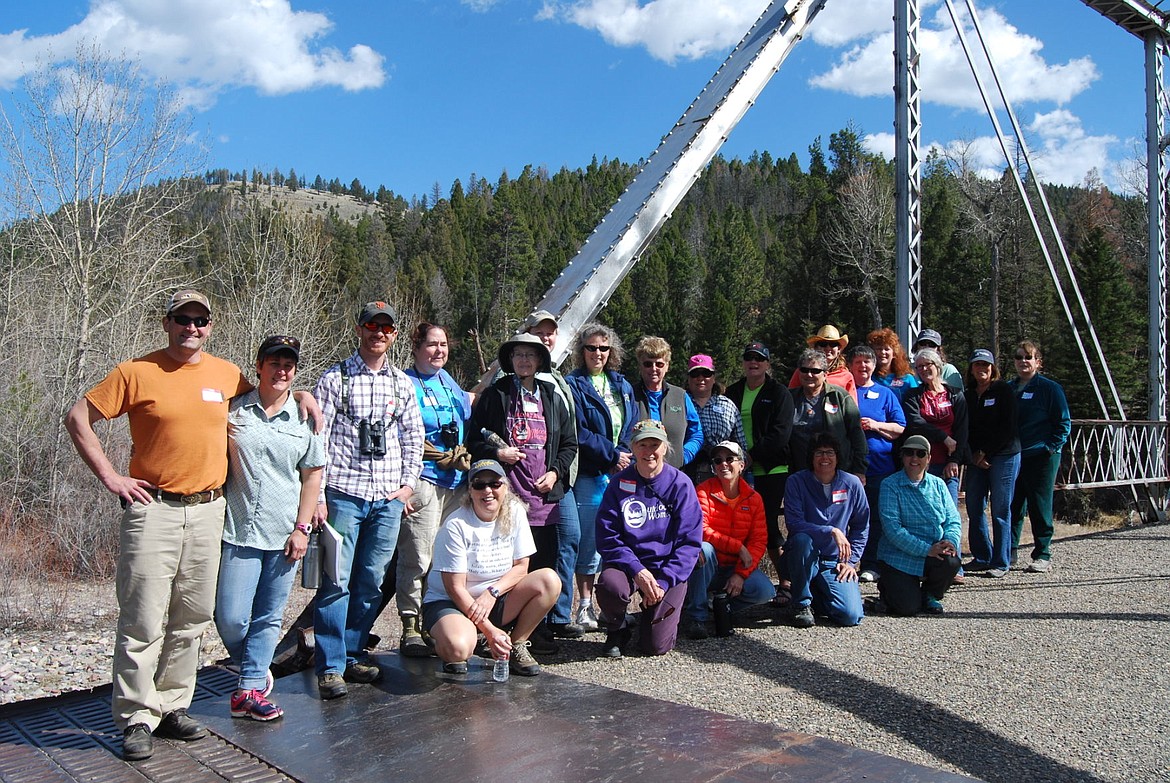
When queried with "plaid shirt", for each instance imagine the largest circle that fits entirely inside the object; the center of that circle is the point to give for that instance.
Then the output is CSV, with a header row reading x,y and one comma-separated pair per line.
x,y
720,420
388,396
914,518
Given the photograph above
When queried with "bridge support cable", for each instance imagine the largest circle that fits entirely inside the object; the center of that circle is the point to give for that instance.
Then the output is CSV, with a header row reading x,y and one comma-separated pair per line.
x,y
1156,180
1021,188
611,251
908,172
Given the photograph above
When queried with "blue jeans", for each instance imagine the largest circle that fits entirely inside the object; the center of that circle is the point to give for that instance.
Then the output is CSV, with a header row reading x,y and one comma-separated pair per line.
x,y
249,607
568,538
952,483
588,492
814,583
996,484
710,576
347,608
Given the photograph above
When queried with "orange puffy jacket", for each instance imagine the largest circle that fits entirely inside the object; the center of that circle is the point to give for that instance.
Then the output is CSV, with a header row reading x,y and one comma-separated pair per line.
x,y
729,524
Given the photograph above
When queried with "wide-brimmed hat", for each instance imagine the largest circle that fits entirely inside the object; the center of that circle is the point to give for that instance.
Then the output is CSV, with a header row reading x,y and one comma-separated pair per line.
x,y
649,428
829,334
505,355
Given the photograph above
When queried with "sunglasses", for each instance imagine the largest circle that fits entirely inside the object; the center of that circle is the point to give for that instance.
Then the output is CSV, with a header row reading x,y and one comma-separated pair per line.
x,y
186,320
702,374
596,348
723,460
280,339
651,363
811,370
371,326
919,453
482,485
1022,358
827,346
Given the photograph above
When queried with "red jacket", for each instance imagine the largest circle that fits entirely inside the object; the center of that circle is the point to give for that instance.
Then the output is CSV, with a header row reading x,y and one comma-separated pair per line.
x,y
730,524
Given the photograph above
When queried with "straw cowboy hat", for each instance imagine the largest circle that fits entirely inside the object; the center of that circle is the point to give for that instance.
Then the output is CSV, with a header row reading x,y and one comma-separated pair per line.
x,y
829,334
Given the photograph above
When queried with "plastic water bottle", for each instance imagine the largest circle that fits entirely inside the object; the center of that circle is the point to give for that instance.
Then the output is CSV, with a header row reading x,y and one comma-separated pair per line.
x,y
500,670
311,563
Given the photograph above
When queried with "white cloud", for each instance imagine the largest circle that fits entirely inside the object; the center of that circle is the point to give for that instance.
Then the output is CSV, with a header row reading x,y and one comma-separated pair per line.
x,y
479,5
867,68
668,29
206,46
843,21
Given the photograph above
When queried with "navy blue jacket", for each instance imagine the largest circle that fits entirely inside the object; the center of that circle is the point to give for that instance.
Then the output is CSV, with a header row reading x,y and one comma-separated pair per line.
x,y
597,453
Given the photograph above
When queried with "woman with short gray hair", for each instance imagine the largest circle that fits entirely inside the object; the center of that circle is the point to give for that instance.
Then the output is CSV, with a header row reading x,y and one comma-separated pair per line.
x,y
822,407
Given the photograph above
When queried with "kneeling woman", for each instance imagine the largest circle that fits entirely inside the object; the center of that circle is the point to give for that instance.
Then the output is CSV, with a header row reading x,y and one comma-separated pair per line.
x,y
479,580
919,550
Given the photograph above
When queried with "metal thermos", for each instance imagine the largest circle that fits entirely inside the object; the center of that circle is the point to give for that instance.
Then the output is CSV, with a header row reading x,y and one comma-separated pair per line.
x,y
722,609
311,563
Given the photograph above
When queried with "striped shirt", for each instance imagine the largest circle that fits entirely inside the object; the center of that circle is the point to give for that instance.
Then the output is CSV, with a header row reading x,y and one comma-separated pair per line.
x,y
386,396
265,457
915,518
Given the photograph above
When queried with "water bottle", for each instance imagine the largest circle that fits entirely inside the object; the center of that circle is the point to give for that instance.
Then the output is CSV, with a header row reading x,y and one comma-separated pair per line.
x,y
722,606
500,670
311,563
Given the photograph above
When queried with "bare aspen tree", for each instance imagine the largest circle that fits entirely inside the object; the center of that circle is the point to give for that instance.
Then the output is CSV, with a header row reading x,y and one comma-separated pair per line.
x,y
860,238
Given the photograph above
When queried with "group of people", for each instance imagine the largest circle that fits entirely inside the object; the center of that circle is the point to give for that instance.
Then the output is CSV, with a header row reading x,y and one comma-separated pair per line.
x,y
544,506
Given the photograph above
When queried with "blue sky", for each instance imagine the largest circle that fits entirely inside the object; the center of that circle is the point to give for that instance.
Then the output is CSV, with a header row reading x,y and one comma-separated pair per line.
x,y
408,93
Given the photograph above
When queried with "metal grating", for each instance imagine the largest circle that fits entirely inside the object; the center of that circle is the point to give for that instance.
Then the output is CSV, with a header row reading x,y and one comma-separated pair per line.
x,y
1115,454
73,737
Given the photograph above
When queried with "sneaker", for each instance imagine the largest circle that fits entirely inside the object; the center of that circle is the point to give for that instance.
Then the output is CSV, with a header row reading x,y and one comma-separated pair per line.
x,y
803,617
521,661
542,641
694,629
566,630
253,704
1039,567
455,667
614,642
359,671
932,605
867,576
412,644
269,684
137,744
180,726
586,617
996,573
331,686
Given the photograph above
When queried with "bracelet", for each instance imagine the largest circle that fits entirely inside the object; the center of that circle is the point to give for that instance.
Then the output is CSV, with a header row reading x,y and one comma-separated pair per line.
x,y
305,527
493,592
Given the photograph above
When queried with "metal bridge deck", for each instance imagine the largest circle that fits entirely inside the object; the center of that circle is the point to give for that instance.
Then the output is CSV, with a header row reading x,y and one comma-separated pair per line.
x,y
421,725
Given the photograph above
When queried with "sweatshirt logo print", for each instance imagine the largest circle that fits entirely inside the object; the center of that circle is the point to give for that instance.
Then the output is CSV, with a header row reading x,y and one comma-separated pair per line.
x,y
634,512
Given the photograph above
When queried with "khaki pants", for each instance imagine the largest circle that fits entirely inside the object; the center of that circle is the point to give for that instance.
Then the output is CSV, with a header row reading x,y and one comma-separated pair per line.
x,y
167,565
416,540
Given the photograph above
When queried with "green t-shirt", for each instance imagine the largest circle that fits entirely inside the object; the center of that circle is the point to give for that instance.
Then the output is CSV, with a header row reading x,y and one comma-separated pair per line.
x,y
745,414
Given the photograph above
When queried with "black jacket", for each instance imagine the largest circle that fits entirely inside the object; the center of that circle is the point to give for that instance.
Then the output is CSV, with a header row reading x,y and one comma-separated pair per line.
x,y
772,414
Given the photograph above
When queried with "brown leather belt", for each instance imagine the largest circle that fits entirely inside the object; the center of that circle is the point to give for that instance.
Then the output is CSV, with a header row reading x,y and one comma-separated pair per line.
x,y
190,500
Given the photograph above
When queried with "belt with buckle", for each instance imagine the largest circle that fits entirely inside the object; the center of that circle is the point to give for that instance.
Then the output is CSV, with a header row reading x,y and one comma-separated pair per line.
x,y
190,500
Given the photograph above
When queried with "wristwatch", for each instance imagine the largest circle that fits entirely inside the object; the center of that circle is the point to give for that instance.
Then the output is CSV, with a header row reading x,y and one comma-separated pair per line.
x,y
493,592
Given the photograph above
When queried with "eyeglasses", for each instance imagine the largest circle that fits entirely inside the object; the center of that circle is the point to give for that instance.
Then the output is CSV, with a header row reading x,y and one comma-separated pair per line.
x,y
1024,358
186,320
523,355
702,374
919,453
653,363
921,367
824,453
811,370
482,485
373,326
723,460
596,348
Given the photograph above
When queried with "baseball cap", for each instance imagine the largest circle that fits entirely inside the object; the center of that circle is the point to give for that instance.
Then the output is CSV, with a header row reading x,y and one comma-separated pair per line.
x,y
187,296
371,309
700,361
278,343
758,348
649,428
982,355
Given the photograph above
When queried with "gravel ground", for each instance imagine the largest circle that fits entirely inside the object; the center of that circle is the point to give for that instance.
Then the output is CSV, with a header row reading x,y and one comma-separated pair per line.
x,y
1043,677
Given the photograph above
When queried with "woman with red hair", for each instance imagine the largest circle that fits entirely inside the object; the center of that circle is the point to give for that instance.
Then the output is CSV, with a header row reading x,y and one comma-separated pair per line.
x,y
893,368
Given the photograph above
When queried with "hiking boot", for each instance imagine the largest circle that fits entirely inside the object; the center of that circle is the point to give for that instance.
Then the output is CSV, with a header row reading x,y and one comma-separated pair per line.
x,y
331,686
566,630
932,605
614,642
137,744
694,629
521,661
455,667
180,726
586,617
253,704
802,617
360,671
412,644
976,565
1039,567
542,641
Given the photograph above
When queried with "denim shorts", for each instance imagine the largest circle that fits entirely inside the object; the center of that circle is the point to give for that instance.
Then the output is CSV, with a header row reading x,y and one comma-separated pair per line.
x,y
433,611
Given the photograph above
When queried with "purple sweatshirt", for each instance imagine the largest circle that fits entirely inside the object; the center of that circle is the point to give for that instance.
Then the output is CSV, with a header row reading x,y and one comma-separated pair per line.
x,y
655,524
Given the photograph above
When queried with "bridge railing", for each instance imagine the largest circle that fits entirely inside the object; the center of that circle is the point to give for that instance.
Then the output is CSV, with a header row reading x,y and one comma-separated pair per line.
x,y
1115,454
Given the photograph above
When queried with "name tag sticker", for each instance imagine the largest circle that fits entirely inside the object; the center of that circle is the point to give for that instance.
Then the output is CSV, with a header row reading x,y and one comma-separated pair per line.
x,y
627,486
944,403
830,408
871,395
840,495
1026,396
212,395
989,403
531,407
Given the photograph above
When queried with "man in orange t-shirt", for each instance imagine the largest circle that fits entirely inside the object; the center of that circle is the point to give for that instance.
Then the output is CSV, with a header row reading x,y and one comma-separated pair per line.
x,y
176,400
